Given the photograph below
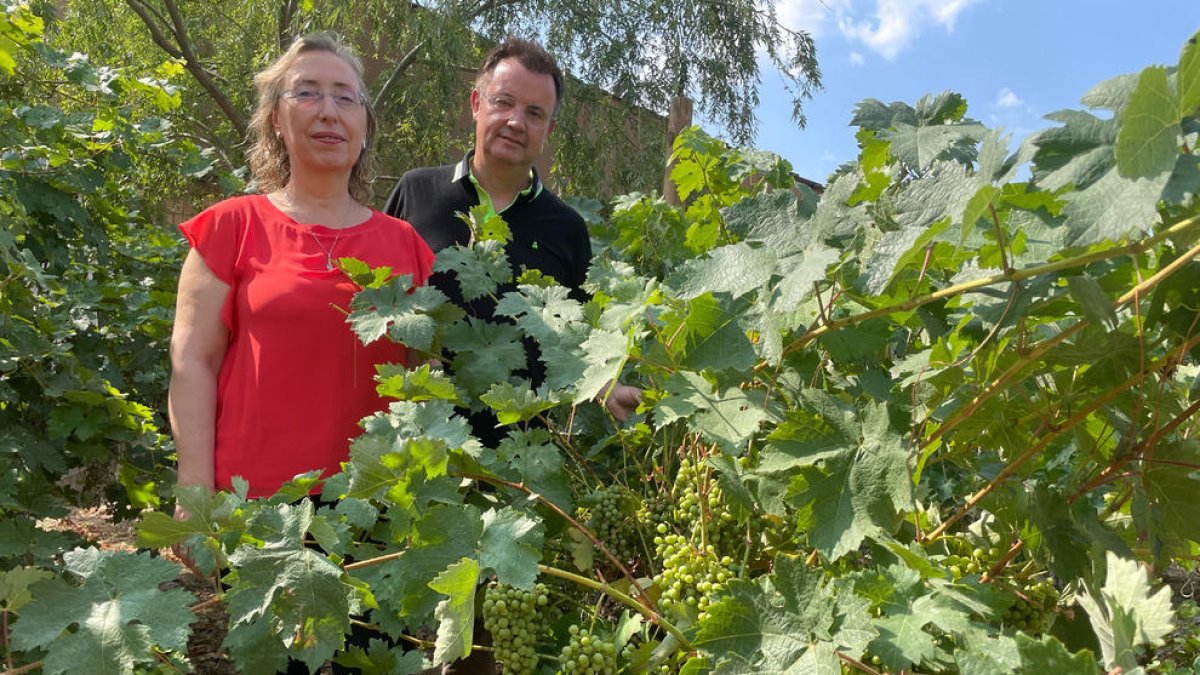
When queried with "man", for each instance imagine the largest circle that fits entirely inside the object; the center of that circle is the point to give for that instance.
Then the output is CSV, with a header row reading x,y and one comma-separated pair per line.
x,y
514,104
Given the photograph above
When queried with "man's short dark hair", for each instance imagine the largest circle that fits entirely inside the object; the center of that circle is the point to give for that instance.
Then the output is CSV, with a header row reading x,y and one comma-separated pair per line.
x,y
529,54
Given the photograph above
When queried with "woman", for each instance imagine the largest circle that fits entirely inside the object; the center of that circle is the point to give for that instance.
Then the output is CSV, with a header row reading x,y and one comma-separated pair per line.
x,y
268,380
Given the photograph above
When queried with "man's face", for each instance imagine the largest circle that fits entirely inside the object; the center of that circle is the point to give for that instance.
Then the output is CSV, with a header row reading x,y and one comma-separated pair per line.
x,y
513,115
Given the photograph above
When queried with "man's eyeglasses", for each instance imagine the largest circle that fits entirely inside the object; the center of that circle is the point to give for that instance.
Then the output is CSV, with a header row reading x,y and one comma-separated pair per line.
x,y
503,105
345,99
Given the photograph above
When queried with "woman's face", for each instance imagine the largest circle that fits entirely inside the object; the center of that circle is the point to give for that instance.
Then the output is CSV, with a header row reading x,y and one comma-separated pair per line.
x,y
320,115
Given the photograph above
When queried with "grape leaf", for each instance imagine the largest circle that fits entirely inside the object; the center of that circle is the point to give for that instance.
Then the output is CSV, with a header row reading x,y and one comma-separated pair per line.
x,y
380,658
736,269
1113,208
554,320
605,352
1175,493
515,403
255,648
1048,655
774,624
1147,144
479,269
822,428
1079,152
542,313
295,589
406,315
456,614
539,465
858,494
484,353
444,535
1095,302
776,219
486,224
706,334
992,654
903,640
364,275
727,418
425,383
20,538
14,586
943,192
119,608
1112,94
511,546
800,274
918,146
1188,77
1124,614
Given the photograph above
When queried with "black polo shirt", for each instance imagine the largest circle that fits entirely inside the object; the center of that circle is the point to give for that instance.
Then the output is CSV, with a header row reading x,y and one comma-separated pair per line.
x,y
547,235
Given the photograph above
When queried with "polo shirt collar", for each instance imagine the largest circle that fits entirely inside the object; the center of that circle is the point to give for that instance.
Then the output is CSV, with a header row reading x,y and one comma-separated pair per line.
x,y
462,173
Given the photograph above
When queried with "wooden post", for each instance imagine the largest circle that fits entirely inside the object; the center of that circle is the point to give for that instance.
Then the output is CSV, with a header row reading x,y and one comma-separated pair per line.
x,y
680,118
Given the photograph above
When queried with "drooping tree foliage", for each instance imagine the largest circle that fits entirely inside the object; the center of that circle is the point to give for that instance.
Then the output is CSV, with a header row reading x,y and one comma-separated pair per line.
x,y
421,58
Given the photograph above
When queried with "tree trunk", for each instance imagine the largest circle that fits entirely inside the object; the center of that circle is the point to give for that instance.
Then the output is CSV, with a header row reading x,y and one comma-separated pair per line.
x,y
680,118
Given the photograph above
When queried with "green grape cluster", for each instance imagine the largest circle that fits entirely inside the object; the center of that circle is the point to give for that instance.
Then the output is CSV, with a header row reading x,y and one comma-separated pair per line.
x,y
609,518
587,654
971,562
700,505
657,509
1033,608
690,576
512,616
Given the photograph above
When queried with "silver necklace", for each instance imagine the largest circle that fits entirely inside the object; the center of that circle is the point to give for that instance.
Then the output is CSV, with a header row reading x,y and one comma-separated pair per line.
x,y
328,251
329,265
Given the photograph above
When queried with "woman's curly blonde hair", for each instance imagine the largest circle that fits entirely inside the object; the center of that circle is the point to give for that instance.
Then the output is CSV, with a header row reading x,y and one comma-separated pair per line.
x,y
268,157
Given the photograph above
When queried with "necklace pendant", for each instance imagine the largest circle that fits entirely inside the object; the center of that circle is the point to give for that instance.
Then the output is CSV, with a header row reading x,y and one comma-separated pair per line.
x,y
328,264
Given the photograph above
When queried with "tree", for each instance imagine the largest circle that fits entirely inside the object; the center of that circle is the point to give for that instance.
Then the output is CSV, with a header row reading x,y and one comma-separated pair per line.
x,y
420,57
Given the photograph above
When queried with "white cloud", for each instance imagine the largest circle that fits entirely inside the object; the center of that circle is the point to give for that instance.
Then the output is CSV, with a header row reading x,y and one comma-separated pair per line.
x,y
1007,99
813,16
888,28
857,59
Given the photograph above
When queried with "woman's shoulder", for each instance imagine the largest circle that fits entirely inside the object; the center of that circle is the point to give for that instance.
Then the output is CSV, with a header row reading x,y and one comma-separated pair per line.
x,y
237,207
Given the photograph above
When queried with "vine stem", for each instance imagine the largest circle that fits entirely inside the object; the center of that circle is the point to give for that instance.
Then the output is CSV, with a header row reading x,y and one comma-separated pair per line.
x,y
1003,562
1004,277
1041,445
8,662
622,598
24,669
998,383
1001,381
649,605
855,663
649,602
1111,470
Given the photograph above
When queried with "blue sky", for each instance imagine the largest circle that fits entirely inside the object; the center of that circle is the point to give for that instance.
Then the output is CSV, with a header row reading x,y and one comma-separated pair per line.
x,y
1013,60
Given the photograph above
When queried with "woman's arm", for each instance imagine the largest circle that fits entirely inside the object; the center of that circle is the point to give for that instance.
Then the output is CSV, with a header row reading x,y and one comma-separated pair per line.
x,y
198,344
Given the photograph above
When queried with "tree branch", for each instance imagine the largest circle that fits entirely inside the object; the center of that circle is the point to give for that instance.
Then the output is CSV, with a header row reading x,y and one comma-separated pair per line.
x,y
182,49
401,66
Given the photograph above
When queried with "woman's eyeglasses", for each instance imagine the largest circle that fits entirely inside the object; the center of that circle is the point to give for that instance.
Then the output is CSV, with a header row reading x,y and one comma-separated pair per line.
x,y
344,99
